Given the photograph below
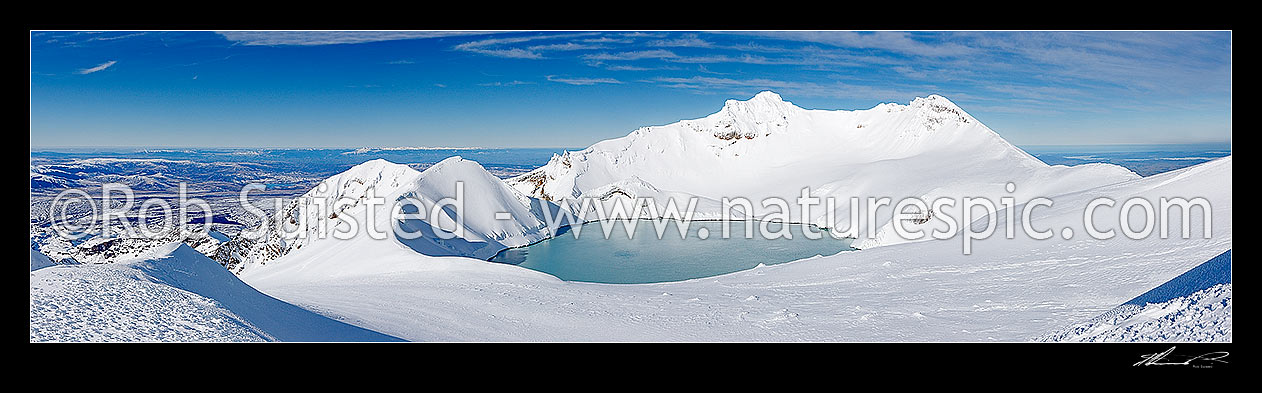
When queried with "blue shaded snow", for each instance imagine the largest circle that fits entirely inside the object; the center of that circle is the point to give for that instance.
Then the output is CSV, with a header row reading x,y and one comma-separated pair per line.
x,y
1215,271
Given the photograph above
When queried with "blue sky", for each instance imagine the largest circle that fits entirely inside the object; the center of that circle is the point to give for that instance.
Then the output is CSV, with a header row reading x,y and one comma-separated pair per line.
x,y
573,88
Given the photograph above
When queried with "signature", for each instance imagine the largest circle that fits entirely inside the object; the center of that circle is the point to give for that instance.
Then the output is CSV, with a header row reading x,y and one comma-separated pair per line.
x,y
1166,359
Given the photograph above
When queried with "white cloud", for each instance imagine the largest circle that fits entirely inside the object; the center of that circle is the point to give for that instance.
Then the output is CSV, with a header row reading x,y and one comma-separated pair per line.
x,y
101,67
307,38
638,34
620,67
512,53
706,70
608,40
582,81
493,46
116,37
633,55
687,41
745,58
748,87
509,83
893,41
569,46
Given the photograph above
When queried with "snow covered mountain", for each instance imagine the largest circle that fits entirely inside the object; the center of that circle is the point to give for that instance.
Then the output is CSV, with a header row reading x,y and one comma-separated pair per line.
x,y
768,147
760,148
344,198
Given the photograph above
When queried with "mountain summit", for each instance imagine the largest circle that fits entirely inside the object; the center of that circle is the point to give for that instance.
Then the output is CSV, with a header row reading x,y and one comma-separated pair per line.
x,y
767,147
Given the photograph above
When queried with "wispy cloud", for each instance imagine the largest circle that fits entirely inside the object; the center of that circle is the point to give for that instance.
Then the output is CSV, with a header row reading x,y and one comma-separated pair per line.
x,y
621,67
309,38
624,67
745,58
568,46
748,87
496,46
641,34
101,67
687,41
512,53
632,55
82,38
398,62
509,83
580,81
706,70
892,41
607,40
116,37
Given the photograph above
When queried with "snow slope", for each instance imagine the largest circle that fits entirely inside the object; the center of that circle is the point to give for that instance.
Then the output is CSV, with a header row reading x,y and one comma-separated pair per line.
x,y
172,294
1195,306
1008,290
1203,316
767,147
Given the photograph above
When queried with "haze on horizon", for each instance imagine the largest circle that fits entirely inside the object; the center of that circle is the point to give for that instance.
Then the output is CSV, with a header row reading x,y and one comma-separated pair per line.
x,y
573,88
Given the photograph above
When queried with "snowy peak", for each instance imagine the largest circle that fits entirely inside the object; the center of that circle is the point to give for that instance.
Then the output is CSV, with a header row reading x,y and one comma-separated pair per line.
x,y
376,172
764,114
767,95
767,113
379,177
932,99
764,100
765,105
939,109
454,163
446,173
378,167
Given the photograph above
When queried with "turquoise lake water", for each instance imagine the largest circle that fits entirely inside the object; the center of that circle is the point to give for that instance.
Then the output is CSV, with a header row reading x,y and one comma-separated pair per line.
x,y
643,258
